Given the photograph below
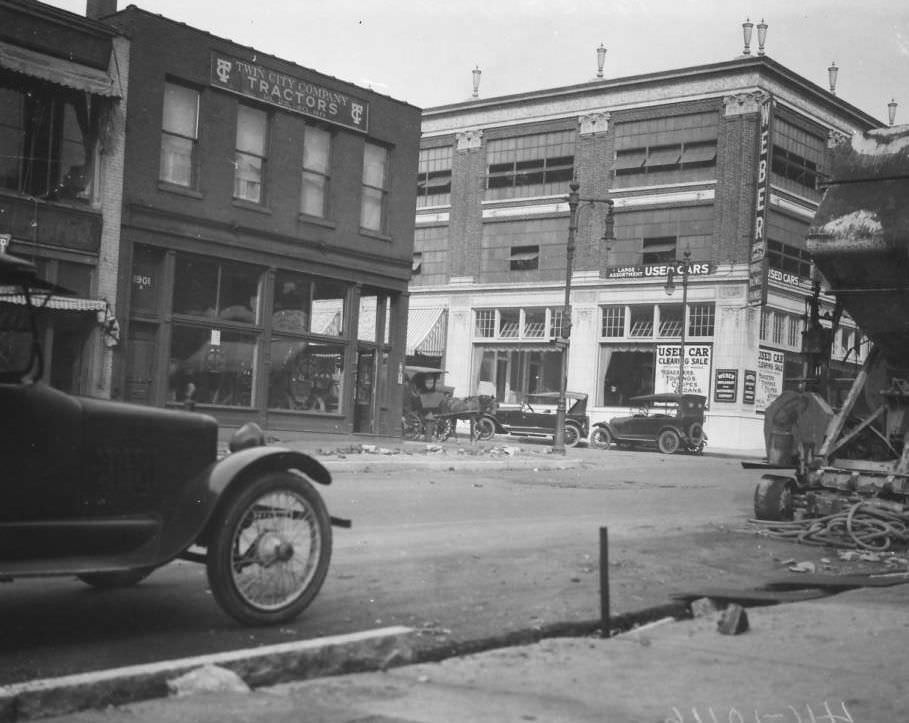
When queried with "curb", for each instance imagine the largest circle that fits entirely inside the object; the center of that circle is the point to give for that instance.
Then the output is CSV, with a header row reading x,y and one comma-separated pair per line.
x,y
268,665
302,660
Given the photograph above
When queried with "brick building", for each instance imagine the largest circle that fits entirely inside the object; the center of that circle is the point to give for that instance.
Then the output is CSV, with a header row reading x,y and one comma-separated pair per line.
x,y
712,172
63,88
267,234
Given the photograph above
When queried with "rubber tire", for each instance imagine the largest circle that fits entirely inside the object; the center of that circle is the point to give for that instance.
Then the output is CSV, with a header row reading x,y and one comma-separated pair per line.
x,y
484,428
696,433
773,498
669,442
572,435
115,580
219,555
600,438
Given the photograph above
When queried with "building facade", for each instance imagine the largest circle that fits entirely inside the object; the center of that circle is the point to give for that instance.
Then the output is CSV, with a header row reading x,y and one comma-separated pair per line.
x,y
267,235
700,272
63,93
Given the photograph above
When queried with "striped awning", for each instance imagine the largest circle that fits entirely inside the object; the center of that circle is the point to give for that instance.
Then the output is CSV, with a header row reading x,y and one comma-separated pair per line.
x,y
427,330
57,70
58,303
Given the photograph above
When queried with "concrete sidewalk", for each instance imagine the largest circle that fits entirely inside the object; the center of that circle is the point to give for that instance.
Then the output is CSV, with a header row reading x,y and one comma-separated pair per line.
x,y
838,660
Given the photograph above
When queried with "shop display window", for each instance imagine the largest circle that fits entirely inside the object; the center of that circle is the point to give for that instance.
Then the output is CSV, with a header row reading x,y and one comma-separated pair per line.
x,y
306,376
211,366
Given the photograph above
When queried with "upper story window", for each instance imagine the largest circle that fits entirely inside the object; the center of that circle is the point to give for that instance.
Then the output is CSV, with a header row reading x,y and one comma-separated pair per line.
x,y
673,149
650,321
789,258
179,136
524,258
537,165
659,250
316,171
375,187
45,148
517,323
249,158
796,159
434,177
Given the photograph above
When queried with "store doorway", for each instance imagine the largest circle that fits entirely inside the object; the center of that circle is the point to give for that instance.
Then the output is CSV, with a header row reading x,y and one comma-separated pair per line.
x,y
140,364
364,393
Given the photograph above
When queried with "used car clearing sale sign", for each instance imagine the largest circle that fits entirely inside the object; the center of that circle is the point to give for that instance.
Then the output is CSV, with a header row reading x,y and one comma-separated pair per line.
x,y
769,378
697,369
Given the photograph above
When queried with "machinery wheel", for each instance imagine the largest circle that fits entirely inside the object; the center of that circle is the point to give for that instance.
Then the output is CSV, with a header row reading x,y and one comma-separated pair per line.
x,y
600,438
484,428
114,580
270,549
572,435
668,441
412,426
773,498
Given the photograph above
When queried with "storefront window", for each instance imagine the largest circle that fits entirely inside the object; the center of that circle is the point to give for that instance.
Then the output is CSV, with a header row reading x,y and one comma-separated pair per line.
x,y
508,374
213,289
306,376
626,373
211,366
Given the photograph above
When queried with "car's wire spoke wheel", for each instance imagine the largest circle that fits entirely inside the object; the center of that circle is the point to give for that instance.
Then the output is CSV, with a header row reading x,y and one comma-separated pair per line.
x,y
572,435
600,438
270,554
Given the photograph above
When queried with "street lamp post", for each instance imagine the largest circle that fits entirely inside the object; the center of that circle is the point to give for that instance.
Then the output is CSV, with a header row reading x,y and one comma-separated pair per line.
x,y
670,287
558,446
574,199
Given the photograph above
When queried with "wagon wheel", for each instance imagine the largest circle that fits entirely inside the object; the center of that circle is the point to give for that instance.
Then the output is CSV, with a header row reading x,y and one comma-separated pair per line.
x,y
412,426
445,427
484,428
270,549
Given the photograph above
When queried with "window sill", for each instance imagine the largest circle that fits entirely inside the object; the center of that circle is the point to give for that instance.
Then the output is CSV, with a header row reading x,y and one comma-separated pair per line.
x,y
374,234
316,220
179,190
250,206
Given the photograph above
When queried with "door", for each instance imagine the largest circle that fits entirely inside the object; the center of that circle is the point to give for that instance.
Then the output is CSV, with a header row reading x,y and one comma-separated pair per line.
x,y
364,394
140,364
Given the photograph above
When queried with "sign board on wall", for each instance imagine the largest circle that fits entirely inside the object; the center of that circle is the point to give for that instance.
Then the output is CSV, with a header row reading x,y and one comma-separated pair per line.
x,y
646,271
290,92
726,385
757,282
697,369
769,377
749,383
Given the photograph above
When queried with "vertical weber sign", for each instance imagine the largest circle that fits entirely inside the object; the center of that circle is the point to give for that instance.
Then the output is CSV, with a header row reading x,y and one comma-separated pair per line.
x,y
757,269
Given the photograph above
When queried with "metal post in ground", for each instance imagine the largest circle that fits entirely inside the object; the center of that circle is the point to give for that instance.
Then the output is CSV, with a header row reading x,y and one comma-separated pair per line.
x,y
604,582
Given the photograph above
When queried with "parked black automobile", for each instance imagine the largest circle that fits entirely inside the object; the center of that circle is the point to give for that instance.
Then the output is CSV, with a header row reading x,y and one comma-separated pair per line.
x,y
108,492
535,416
669,422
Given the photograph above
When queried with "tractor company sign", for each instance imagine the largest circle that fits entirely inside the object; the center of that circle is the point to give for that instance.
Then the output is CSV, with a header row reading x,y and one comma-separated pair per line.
x,y
290,92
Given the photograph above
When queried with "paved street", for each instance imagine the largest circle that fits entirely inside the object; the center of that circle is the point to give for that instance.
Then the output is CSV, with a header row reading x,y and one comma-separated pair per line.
x,y
437,544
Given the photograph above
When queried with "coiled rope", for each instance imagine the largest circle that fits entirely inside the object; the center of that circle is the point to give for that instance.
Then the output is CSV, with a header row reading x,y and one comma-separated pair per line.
x,y
863,525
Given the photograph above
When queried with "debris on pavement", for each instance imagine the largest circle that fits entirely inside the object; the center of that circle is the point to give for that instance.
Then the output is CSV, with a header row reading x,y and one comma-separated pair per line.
x,y
703,607
733,620
207,679
806,566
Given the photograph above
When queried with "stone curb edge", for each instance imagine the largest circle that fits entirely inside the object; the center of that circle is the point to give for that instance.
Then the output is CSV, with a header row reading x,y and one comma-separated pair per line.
x,y
267,665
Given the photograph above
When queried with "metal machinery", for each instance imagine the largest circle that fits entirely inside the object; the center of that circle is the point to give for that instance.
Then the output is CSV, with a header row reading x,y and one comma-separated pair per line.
x,y
856,455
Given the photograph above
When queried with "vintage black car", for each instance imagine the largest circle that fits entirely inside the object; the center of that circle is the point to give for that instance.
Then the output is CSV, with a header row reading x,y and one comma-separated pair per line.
x,y
108,492
535,416
670,422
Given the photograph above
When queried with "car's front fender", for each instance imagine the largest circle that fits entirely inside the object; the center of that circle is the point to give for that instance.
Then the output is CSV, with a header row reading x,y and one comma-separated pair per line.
x,y
190,518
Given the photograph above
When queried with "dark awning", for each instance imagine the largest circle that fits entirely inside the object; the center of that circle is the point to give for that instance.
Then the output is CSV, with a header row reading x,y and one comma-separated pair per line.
x,y
57,70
